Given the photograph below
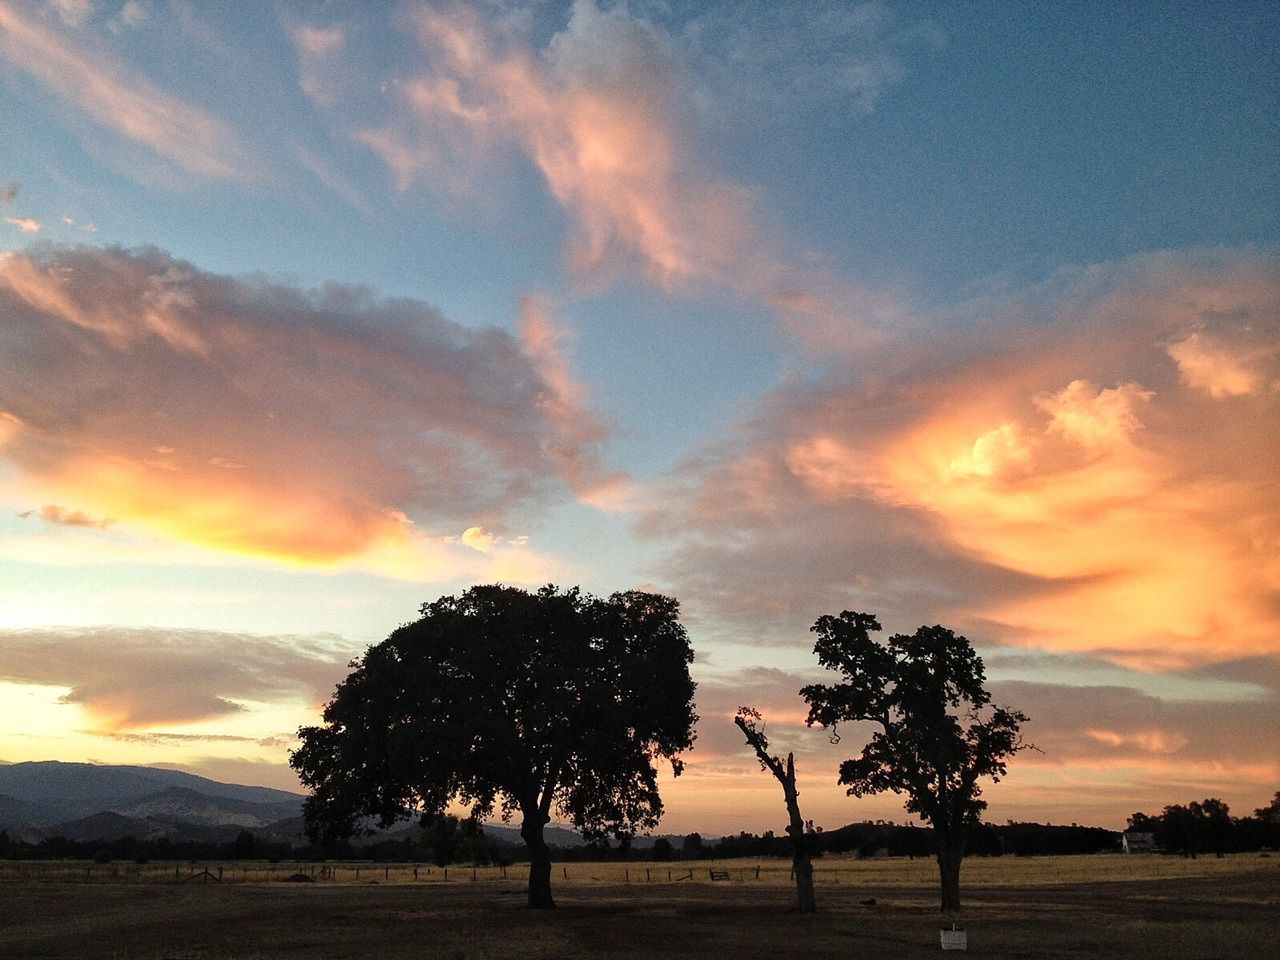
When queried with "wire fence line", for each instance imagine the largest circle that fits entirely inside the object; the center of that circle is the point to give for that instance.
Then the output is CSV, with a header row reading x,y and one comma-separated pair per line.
x,y
349,872
828,871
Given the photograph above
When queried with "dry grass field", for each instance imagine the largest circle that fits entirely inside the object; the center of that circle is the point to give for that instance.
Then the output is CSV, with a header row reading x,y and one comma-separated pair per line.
x,y
1067,907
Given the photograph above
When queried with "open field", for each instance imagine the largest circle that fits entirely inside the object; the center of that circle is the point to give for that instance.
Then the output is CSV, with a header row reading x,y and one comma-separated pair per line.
x,y
1069,907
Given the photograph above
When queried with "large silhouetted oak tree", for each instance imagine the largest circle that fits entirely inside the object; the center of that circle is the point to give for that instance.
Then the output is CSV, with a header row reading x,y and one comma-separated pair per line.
x,y
937,734
528,703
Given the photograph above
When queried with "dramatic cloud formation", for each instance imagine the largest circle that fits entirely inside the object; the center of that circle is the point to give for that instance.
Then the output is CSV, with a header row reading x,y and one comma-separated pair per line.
x,y
117,97
129,678
312,427
1070,473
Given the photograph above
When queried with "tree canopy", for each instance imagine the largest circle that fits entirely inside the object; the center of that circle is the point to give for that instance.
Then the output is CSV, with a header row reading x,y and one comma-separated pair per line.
x,y
938,733
553,702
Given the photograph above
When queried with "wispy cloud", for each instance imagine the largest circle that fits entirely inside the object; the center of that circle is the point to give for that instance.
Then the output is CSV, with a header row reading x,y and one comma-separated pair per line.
x,y
596,111
121,100
1050,478
566,404
52,513
25,224
314,427
130,678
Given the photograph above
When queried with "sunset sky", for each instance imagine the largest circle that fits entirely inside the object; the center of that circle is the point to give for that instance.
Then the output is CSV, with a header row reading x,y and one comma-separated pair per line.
x,y
958,313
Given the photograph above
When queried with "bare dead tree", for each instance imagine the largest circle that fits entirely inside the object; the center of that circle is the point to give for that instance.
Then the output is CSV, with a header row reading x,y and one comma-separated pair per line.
x,y
751,724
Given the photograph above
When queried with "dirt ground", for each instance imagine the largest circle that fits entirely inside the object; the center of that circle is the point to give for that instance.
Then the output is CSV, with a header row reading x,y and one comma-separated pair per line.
x,y
1225,915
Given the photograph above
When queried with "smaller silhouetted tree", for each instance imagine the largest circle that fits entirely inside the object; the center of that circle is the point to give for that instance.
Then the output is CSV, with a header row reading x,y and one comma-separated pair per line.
x,y
1143,823
751,724
692,846
917,690
662,850
243,848
1180,830
1271,812
1214,818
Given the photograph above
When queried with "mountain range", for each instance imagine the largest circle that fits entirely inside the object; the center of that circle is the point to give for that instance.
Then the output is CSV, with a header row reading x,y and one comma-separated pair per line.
x,y
89,801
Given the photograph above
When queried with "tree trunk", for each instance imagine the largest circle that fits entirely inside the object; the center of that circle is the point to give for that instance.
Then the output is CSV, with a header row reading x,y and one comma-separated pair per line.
x,y
539,862
800,862
950,855
804,883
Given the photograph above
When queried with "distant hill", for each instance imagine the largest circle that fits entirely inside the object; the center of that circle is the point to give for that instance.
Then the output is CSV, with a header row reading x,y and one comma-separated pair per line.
x,y
88,801
38,796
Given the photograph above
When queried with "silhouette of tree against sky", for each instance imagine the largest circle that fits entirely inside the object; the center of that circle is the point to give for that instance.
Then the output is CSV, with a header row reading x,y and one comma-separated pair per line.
x,y
1271,812
1189,829
917,689
751,724
500,699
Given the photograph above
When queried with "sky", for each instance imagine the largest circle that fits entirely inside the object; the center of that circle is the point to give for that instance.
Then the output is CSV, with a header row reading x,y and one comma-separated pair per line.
x,y
951,313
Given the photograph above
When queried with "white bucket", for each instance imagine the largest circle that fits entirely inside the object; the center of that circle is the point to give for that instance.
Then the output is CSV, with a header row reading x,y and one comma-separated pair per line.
x,y
954,939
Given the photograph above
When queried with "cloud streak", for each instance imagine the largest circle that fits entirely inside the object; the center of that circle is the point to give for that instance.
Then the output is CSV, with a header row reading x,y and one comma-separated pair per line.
x,y
311,427
121,100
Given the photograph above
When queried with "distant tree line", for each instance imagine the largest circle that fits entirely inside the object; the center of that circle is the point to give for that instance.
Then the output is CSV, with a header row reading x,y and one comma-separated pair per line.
x,y
869,839
244,847
1206,826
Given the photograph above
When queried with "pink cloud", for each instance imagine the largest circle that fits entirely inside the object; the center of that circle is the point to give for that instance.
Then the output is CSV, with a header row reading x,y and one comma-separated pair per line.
x,y
52,513
599,112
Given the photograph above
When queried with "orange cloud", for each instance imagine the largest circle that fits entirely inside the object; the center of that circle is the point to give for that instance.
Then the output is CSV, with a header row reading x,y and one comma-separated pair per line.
x,y
311,428
121,100
1053,480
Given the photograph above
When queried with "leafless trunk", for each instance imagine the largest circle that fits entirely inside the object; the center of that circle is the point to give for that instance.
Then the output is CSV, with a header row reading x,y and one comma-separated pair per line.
x,y
801,865
799,842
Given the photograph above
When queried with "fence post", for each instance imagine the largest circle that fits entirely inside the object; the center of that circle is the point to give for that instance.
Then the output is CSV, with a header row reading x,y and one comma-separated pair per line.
x,y
757,871
566,872
646,874
386,873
